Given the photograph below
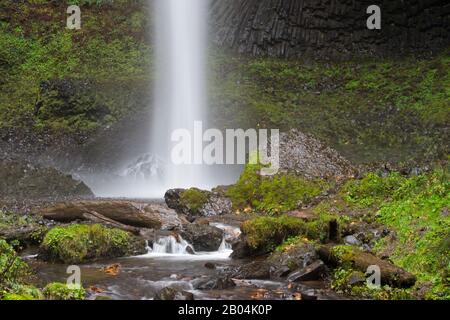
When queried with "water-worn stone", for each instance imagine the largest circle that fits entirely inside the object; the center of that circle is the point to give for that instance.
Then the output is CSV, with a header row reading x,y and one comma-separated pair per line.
x,y
214,204
173,294
202,237
213,283
314,271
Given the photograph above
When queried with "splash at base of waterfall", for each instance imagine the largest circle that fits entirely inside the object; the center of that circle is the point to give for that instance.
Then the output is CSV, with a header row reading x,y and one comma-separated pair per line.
x,y
178,248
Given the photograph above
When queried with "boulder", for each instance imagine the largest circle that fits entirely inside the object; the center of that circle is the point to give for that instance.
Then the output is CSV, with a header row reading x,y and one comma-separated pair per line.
x,y
359,260
196,203
202,237
314,271
294,258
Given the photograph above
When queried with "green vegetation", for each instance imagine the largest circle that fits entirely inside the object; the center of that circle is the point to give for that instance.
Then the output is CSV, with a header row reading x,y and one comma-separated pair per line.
x,y
416,208
81,243
266,233
370,110
353,283
14,273
193,199
101,71
272,194
61,291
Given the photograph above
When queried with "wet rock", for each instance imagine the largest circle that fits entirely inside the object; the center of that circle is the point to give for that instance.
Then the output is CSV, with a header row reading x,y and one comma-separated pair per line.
x,y
296,257
125,213
172,199
217,205
22,180
241,249
213,283
168,218
210,265
171,294
196,203
202,237
314,271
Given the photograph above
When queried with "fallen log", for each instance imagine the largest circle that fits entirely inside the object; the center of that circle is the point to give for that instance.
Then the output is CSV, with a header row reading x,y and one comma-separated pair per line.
x,y
392,275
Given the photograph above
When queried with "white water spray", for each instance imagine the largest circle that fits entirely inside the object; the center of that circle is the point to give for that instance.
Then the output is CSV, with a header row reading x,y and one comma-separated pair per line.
x,y
180,83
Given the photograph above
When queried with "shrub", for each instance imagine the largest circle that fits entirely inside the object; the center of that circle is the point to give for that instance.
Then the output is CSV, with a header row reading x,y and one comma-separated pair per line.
x,y
81,243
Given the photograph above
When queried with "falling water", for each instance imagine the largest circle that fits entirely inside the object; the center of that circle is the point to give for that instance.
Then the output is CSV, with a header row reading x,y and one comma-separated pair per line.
x,y
180,84
179,101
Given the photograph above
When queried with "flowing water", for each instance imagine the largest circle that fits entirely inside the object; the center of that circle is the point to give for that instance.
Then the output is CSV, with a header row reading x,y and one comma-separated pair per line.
x,y
168,264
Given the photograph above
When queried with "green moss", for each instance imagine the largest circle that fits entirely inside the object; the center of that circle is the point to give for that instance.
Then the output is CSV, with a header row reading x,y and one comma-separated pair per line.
x,y
194,199
61,291
15,296
272,194
372,189
81,243
415,209
341,281
370,110
266,233
13,269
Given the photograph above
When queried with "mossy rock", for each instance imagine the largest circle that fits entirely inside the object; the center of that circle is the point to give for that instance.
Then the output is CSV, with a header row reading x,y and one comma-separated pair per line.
x,y
61,291
193,200
80,243
266,233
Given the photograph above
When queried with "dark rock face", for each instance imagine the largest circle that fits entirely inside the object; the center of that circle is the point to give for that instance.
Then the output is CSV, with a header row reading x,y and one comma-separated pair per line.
x,y
202,237
326,29
21,180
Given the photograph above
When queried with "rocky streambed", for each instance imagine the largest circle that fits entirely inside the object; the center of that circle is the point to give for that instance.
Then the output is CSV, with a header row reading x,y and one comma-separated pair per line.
x,y
180,260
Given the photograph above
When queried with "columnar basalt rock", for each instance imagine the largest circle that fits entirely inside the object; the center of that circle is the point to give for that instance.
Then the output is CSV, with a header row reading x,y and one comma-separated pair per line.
x,y
328,28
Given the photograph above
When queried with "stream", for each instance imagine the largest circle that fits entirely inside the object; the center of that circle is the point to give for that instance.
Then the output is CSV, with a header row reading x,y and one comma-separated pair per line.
x,y
168,264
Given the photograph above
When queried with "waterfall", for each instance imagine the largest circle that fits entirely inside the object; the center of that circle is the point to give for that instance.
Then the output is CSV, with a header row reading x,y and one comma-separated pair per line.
x,y
180,84
170,245
177,247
